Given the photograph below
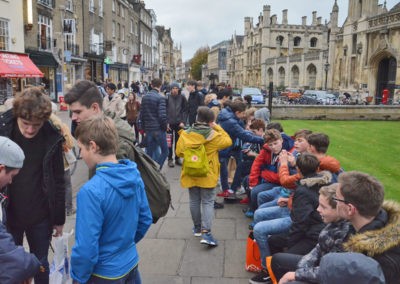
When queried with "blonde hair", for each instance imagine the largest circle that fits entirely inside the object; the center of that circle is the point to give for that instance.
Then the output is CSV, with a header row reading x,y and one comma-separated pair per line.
x,y
329,191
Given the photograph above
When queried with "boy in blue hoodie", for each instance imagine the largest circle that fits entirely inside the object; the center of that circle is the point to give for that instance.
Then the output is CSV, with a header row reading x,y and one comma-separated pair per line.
x,y
113,213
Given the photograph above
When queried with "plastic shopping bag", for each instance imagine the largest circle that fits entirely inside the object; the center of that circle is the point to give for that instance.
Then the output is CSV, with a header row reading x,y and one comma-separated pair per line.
x,y
60,266
253,259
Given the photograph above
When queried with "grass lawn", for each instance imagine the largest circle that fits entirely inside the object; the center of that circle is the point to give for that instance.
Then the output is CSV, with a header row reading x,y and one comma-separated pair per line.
x,y
372,147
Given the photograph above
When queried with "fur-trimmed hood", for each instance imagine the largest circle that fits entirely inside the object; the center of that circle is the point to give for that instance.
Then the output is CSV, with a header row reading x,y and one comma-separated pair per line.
x,y
321,179
376,242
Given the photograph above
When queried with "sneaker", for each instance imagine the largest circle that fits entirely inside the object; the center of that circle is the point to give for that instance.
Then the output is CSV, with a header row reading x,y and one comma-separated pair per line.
x,y
249,214
240,191
225,193
208,239
171,164
251,226
196,231
218,205
262,277
244,201
178,162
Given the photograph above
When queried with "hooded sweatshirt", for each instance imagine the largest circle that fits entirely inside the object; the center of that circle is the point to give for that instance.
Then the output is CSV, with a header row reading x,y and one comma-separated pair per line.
x,y
214,139
113,214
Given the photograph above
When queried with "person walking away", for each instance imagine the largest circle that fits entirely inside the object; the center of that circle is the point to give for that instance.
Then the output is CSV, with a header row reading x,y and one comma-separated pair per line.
x,y
195,100
105,239
37,195
204,133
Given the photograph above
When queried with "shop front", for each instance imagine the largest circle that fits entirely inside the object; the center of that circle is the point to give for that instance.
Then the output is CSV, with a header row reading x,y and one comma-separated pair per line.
x,y
93,67
15,70
118,72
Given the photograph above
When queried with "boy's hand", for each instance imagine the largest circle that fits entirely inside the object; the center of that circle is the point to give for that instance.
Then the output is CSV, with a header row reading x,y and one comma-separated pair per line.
x,y
282,201
212,124
27,281
58,230
283,157
291,159
289,276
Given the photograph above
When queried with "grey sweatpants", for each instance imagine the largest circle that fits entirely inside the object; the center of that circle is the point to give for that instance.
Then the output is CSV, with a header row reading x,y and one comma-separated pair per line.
x,y
201,202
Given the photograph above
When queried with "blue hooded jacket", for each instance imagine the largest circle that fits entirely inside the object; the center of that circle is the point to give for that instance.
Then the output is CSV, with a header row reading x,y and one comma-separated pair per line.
x,y
113,214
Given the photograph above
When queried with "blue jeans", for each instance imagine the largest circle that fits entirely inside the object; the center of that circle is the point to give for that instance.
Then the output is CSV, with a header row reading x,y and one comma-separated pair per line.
x,y
256,190
270,221
156,141
133,277
201,202
38,237
269,198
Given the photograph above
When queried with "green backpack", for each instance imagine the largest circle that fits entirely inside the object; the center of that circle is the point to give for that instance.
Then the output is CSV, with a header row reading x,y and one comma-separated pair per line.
x,y
195,161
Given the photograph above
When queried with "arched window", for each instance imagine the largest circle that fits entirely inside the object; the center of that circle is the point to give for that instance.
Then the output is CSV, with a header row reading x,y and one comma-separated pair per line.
x,y
281,76
279,41
297,41
312,76
295,76
313,42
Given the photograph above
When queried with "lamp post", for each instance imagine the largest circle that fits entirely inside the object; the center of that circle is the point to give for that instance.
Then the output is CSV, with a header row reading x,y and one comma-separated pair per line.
x,y
326,65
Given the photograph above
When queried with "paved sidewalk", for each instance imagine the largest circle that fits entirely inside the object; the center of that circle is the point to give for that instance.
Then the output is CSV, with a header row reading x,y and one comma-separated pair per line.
x,y
171,254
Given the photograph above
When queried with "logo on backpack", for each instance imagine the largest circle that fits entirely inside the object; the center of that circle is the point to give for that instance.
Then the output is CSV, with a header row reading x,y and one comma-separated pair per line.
x,y
195,161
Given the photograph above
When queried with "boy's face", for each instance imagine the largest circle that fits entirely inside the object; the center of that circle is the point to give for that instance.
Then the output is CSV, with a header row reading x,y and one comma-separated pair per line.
x,y
275,146
87,153
190,88
6,178
301,145
240,114
29,128
328,214
81,113
258,132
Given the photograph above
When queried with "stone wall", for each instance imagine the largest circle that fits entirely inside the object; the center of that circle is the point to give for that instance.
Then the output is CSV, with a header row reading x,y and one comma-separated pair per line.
x,y
337,112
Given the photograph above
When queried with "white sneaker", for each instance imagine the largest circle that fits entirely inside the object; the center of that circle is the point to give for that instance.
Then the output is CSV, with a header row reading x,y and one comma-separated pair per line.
x,y
240,191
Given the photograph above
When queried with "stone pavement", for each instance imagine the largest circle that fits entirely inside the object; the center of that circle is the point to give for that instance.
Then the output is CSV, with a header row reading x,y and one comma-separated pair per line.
x,y
171,254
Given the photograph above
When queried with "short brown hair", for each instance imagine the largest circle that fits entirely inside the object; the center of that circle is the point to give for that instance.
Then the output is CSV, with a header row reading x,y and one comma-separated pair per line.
x,y
320,141
307,163
86,93
32,104
257,124
302,133
205,115
102,131
272,135
237,106
156,83
364,191
191,83
329,191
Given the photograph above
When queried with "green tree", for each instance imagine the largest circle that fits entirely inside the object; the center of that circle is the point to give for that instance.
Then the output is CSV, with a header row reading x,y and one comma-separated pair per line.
x,y
199,59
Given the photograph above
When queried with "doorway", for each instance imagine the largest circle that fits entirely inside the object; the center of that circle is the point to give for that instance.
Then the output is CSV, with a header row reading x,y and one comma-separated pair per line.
x,y
386,78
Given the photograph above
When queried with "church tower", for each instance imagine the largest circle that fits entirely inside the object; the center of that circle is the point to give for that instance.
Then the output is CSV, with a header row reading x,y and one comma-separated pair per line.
x,y
362,9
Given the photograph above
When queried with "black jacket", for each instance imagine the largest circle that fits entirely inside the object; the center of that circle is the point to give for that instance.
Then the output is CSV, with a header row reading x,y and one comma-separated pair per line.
x,y
306,221
195,100
53,167
153,112
177,109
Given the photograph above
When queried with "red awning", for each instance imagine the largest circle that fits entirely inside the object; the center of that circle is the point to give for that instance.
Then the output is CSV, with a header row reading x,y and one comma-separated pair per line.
x,y
17,65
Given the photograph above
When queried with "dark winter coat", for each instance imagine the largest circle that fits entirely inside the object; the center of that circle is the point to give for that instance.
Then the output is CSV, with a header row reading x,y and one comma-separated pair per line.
x,y
195,100
306,221
380,240
53,167
235,128
17,265
153,112
330,240
177,109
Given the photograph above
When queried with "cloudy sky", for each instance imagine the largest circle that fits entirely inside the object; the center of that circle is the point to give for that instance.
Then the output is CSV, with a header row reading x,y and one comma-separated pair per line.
x,y
197,23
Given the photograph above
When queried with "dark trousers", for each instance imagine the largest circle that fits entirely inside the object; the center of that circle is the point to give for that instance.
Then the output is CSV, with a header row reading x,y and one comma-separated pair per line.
x,y
133,277
38,237
279,243
175,136
284,262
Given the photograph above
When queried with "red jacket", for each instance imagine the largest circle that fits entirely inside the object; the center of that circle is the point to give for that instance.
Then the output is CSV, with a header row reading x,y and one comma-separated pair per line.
x,y
265,166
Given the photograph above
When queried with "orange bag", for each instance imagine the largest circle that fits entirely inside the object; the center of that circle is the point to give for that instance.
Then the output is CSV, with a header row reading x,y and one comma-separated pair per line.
x,y
253,259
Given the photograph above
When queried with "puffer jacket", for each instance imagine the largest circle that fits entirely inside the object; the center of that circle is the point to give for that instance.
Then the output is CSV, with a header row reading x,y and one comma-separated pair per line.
x,y
214,139
306,221
195,100
53,175
330,240
380,240
153,112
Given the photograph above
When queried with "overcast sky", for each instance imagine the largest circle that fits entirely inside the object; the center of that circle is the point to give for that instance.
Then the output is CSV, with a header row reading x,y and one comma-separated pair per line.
x,y
197,23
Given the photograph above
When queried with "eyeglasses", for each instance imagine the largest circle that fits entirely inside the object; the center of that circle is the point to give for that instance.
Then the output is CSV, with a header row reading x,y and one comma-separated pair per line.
x,y
340,200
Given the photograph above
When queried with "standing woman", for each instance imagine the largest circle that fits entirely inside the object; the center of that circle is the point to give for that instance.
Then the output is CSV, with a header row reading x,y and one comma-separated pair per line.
x,y
132,111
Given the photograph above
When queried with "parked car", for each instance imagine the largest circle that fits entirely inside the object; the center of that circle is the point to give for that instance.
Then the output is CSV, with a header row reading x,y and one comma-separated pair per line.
x,y
255,93
318,97
291,93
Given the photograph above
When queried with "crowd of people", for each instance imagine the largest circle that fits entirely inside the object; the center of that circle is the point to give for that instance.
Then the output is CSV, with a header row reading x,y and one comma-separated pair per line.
x,y
312,221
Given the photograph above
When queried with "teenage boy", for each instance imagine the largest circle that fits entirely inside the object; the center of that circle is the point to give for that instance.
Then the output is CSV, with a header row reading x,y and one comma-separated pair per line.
x,y
375,224
113,102
195,100
300,232
17,265
202,189
113,213
37,195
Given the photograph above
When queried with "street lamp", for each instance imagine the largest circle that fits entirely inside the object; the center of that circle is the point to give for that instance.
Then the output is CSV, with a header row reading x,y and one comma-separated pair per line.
x,y
326,65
